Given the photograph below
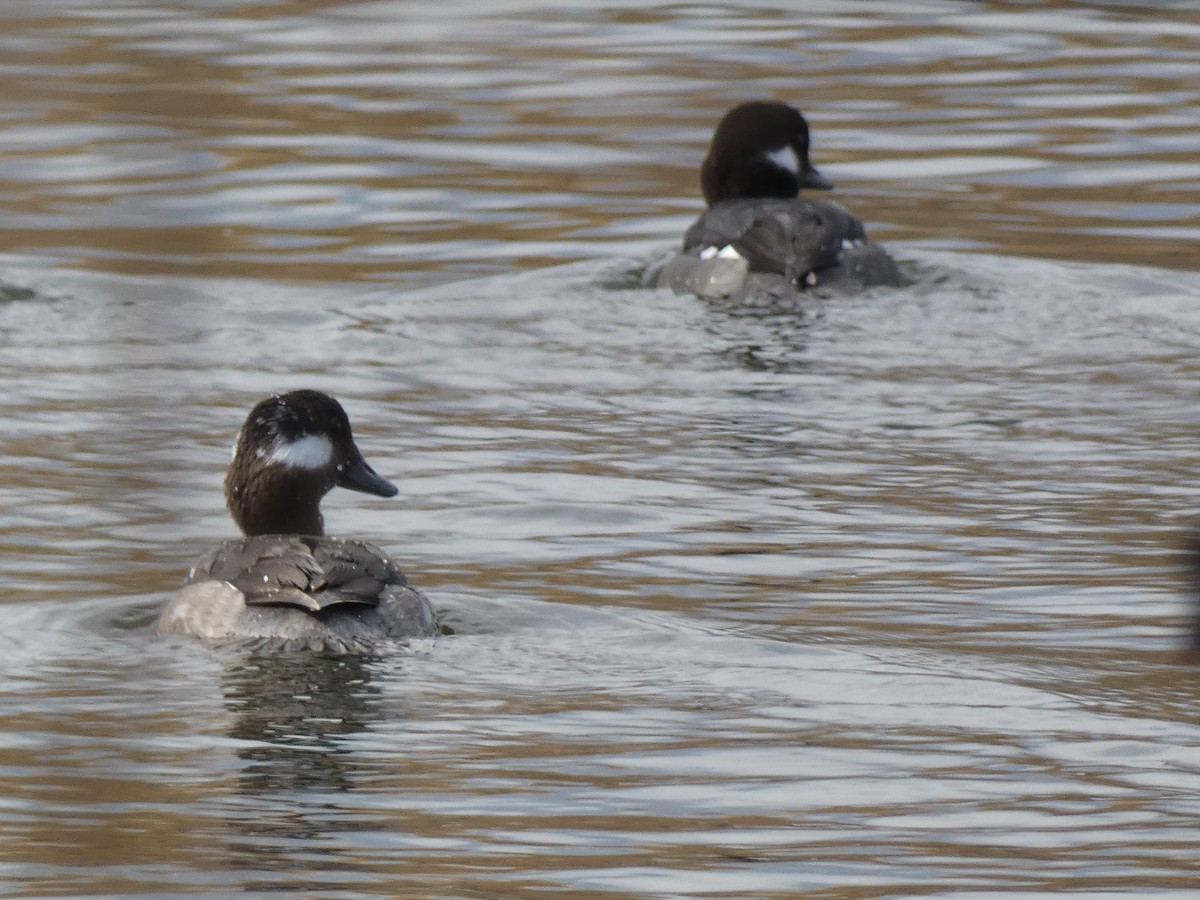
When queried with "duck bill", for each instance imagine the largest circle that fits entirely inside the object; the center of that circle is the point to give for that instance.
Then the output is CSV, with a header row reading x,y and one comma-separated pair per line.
x,y
814,179
358,476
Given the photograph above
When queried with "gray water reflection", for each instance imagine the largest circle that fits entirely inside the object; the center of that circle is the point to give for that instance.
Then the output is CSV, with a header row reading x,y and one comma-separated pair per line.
x,y
879,596
871,598
384,141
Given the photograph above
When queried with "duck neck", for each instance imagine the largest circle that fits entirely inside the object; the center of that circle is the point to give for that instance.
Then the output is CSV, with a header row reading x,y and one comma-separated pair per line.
x,y
275,504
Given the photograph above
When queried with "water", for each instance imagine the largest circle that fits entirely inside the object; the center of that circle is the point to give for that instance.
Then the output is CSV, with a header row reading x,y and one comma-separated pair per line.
x,y
873,598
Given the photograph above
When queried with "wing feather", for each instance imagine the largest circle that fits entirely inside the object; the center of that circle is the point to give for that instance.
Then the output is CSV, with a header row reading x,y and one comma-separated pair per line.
x,y
786,237
311,573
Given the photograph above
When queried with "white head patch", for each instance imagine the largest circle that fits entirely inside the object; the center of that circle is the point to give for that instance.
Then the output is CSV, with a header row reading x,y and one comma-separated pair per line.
x,y
785,158
312,451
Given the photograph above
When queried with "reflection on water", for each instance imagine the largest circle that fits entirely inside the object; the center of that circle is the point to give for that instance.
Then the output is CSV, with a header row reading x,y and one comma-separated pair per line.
x,y
292,711
291,717
869,598
887,591
375,141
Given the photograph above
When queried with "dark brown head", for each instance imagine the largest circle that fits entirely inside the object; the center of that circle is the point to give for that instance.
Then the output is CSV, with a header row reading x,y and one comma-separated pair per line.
x,y
293,449
759,149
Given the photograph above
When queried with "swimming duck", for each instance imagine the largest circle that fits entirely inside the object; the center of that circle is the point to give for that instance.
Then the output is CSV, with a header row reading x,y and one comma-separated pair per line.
x,y
758,236
286,585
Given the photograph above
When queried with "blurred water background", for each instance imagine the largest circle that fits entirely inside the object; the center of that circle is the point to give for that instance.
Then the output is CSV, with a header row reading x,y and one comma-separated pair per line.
x,y
878,597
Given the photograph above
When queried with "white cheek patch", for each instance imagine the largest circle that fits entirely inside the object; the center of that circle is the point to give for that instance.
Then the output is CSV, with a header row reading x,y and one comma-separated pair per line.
x,y
785,158
313,451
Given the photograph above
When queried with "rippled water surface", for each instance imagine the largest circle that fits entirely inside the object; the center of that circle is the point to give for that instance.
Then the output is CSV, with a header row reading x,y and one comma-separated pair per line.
x,y
877,597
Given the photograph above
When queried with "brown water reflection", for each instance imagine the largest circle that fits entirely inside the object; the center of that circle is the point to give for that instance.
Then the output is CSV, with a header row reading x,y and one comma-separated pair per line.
x,y
866,601
355,142
873,598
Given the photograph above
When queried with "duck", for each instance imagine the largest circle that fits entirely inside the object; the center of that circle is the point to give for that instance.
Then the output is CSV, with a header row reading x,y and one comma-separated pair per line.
x,y
285,585
758,236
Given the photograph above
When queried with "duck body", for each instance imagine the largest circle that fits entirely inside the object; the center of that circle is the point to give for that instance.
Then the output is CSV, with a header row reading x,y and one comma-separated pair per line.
x,y
758,235
295,588
299,592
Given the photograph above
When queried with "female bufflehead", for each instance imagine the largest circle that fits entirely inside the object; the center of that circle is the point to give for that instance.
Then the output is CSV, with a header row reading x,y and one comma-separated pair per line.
x,y
758,236
286,585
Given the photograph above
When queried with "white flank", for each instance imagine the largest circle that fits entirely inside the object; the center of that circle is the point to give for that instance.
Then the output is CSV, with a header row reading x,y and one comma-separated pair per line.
x,y
313,451
726,252
785,158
